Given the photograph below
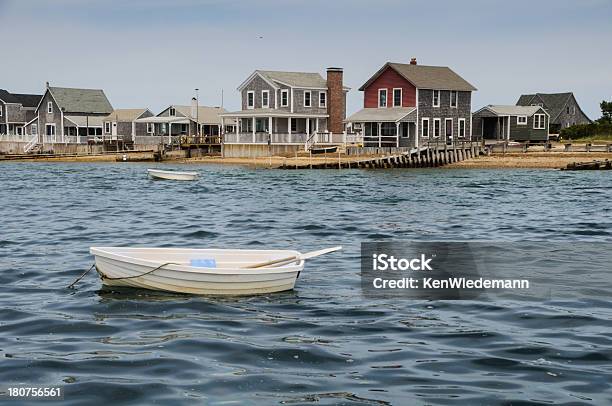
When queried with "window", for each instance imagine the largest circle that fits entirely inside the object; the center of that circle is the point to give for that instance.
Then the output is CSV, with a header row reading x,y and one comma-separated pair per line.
x,y
397,97
425,127
284,97
567,109
183,128
172,112
539,122
149,128
573,111
462,128
437,125
265,98
322,99
34,129
250,99
382,97
436,98
453,98
107,127
0,111
521,120
49,107
19,130
294,125
307,101
50,129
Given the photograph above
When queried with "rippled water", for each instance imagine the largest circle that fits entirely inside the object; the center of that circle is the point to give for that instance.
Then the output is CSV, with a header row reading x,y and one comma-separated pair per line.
x,y
323,343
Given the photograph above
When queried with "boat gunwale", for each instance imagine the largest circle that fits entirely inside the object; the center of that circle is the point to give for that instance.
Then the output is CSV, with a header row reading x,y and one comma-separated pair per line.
x,y
149,170
102,252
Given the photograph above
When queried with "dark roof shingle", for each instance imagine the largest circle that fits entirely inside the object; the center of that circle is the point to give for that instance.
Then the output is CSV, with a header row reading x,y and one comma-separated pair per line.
x,y
81,100
426,77
27,100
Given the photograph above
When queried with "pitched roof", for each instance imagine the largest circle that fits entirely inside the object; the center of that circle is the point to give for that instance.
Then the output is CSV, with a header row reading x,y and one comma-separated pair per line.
x,y
509,110
380,114
81,100
26,100
125,115
205,115
426,77
295,79
553,102
85,121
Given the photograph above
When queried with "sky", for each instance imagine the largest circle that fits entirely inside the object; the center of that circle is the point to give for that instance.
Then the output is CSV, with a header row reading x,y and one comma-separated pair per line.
x,y
153,53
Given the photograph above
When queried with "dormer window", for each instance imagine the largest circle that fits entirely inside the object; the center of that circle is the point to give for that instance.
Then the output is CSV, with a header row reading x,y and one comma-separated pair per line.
x,y
265,98
436,98
250,99
50,107
172,112
382,97
322,99
284,97
307,101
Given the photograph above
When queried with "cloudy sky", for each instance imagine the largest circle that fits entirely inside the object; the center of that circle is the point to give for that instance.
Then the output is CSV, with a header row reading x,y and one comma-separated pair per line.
x,y
155,52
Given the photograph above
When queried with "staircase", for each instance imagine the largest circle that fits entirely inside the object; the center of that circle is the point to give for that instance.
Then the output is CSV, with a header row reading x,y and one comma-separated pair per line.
x,y
33,146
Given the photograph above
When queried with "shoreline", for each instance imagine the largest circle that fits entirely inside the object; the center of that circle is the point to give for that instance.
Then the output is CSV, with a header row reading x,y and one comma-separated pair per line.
x,y
517,160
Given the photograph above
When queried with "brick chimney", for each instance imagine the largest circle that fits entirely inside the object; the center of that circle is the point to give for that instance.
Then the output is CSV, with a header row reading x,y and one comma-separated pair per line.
x,y
413,61
46,85
336,102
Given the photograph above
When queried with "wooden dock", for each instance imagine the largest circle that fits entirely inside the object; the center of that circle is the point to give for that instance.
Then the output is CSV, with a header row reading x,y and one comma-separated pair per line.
x,y
422,157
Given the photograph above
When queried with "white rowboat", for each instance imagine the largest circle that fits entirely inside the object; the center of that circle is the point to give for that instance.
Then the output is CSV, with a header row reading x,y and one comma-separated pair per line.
x,y
201,271
172,175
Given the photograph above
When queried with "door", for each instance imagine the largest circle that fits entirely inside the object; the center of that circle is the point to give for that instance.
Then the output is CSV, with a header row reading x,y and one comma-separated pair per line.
x,y
114,129
448,128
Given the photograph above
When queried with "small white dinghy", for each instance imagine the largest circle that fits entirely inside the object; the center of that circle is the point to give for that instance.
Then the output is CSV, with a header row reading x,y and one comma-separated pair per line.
x,y
201,271
172,175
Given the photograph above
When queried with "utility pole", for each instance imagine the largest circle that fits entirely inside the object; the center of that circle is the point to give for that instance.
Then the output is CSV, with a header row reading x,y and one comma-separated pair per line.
x,y
197,112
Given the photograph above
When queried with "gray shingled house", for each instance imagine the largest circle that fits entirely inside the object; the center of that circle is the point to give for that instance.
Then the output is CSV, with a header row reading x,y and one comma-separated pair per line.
x,y
16,110
563,109
186,120
511,123
407,105
69,115
288,110
122,123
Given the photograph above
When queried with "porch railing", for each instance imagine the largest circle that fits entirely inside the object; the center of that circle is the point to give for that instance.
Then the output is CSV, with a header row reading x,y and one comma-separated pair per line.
x,y
31,144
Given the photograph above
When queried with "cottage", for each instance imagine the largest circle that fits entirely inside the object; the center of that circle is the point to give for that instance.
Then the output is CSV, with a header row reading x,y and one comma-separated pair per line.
x,y
563,109
285,109
69,115
182,120
16,110
511,123
406,105
122,123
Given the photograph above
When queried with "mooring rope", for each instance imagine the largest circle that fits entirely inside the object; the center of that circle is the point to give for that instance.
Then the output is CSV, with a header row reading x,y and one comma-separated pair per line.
x,y
120,277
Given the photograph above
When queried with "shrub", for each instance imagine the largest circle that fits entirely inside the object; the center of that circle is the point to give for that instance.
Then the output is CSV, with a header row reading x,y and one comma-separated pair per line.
x,y
586,131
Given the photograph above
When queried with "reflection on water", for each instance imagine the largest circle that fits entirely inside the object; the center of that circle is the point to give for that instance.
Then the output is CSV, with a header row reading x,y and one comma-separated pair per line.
x,y
323,343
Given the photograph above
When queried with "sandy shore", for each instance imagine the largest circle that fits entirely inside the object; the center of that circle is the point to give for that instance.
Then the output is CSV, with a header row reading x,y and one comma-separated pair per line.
x,y
551,160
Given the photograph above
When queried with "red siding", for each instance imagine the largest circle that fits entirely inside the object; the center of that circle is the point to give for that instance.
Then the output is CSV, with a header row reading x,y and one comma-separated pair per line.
x,y
389,79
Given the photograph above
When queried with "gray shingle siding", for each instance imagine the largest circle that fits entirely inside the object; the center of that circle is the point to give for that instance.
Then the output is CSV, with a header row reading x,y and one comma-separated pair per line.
x,y
463,110
257,84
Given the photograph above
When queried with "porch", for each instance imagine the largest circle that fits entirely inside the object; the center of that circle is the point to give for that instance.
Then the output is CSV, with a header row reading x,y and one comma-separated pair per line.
x,y
386,127
496,128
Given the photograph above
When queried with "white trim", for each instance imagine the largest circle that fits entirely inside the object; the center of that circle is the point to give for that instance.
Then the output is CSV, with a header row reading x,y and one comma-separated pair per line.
x,y
433,132
386,97
284,91
459,121
536,119
324,105
519,121
250,107
423,120
401,96
267,105
49,107
450,103
107,127
309,98
433,98
250,78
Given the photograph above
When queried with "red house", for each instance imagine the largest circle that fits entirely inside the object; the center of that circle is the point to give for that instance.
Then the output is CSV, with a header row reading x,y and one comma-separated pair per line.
x,y
405,105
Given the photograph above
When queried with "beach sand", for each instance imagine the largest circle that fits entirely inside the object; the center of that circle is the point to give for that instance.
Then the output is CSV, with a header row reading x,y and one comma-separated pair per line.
x,y
551,160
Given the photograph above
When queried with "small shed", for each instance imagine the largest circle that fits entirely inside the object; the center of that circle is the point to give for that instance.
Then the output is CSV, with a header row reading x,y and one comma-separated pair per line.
x,y
511,123
122,122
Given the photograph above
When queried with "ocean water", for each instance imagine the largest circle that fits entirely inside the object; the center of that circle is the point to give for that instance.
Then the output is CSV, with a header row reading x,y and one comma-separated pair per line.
x,y
323,343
